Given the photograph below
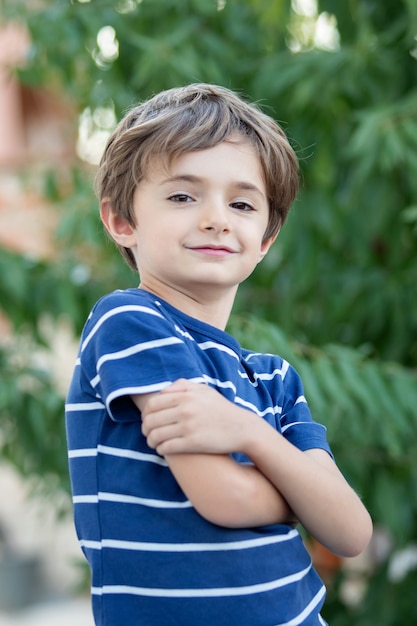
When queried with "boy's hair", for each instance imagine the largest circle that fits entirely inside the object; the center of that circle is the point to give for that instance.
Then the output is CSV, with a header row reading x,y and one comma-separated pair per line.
x,y
184,119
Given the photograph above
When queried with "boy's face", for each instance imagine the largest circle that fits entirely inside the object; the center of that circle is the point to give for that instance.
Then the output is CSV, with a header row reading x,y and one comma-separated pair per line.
x,y
200,223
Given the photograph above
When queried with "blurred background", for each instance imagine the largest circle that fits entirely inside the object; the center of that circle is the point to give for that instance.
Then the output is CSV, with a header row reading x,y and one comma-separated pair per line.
x,y
337,294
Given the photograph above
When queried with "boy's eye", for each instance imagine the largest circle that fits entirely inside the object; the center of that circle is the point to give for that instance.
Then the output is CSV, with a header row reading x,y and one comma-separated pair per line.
x,y
180,198
242,206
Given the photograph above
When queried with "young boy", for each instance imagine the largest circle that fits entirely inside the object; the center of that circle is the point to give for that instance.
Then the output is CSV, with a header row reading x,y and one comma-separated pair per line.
x,y
192,459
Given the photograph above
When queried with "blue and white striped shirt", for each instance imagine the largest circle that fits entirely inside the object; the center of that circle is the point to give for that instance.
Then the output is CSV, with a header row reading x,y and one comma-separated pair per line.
x,y
154,560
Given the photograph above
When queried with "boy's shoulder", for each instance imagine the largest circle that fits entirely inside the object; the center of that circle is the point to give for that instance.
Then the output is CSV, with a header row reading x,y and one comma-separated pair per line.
x,y
113,310
124,300
121,297
255,358
269,366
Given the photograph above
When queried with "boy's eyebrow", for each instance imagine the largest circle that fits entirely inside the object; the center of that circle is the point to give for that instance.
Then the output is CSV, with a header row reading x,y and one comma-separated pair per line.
x,y
187,178
190,178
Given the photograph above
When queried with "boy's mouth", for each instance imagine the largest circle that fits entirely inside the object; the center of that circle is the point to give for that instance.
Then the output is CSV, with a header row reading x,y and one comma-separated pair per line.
x,y
213,250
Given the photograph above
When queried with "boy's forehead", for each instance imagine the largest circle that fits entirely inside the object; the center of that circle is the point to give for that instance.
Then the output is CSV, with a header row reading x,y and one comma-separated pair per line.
x,y
165,163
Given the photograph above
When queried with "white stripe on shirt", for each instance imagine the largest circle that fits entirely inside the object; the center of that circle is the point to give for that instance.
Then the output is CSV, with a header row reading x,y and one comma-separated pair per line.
x,y
126,499
299,619
209,345
201,593
139,347
188,547
120,309
84,406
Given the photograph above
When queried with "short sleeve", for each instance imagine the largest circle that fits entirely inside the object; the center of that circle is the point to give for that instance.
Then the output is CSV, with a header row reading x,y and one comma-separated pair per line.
x,y
297,424
132,348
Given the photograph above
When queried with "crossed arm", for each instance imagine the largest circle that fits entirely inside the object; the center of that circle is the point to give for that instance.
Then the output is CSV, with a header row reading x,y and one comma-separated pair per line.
x,y
195,428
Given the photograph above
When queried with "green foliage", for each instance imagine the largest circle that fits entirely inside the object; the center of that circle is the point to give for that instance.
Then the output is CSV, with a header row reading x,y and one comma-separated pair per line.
x,y
32,434
340,281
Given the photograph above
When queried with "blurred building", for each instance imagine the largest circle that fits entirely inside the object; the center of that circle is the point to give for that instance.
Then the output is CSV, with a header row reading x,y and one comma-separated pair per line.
x,y
36,130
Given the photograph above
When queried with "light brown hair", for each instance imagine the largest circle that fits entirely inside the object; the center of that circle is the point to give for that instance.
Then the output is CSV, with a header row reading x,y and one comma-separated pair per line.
x,y
184,119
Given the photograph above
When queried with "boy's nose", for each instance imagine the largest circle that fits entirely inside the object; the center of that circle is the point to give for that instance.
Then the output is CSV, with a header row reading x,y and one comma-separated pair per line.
x,y
215,216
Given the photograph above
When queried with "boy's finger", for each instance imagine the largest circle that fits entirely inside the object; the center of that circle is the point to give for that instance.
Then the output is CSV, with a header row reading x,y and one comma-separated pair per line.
x,y
182,384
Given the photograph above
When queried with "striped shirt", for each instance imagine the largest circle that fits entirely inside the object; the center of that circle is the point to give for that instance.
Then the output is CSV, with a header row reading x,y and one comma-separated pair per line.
x,y
154,560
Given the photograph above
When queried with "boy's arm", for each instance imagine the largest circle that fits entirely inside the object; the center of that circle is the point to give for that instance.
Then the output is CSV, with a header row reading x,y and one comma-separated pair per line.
x,y
223,491
193,418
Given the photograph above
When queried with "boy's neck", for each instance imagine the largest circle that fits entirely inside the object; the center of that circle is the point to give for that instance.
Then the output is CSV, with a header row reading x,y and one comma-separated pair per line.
x,y
211,308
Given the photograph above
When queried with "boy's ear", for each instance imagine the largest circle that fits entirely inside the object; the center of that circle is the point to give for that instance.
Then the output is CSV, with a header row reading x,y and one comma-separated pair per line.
x,y
119,229
266,244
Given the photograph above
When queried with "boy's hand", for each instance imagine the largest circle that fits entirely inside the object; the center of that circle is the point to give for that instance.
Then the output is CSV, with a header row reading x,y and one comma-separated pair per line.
x,y
192,417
